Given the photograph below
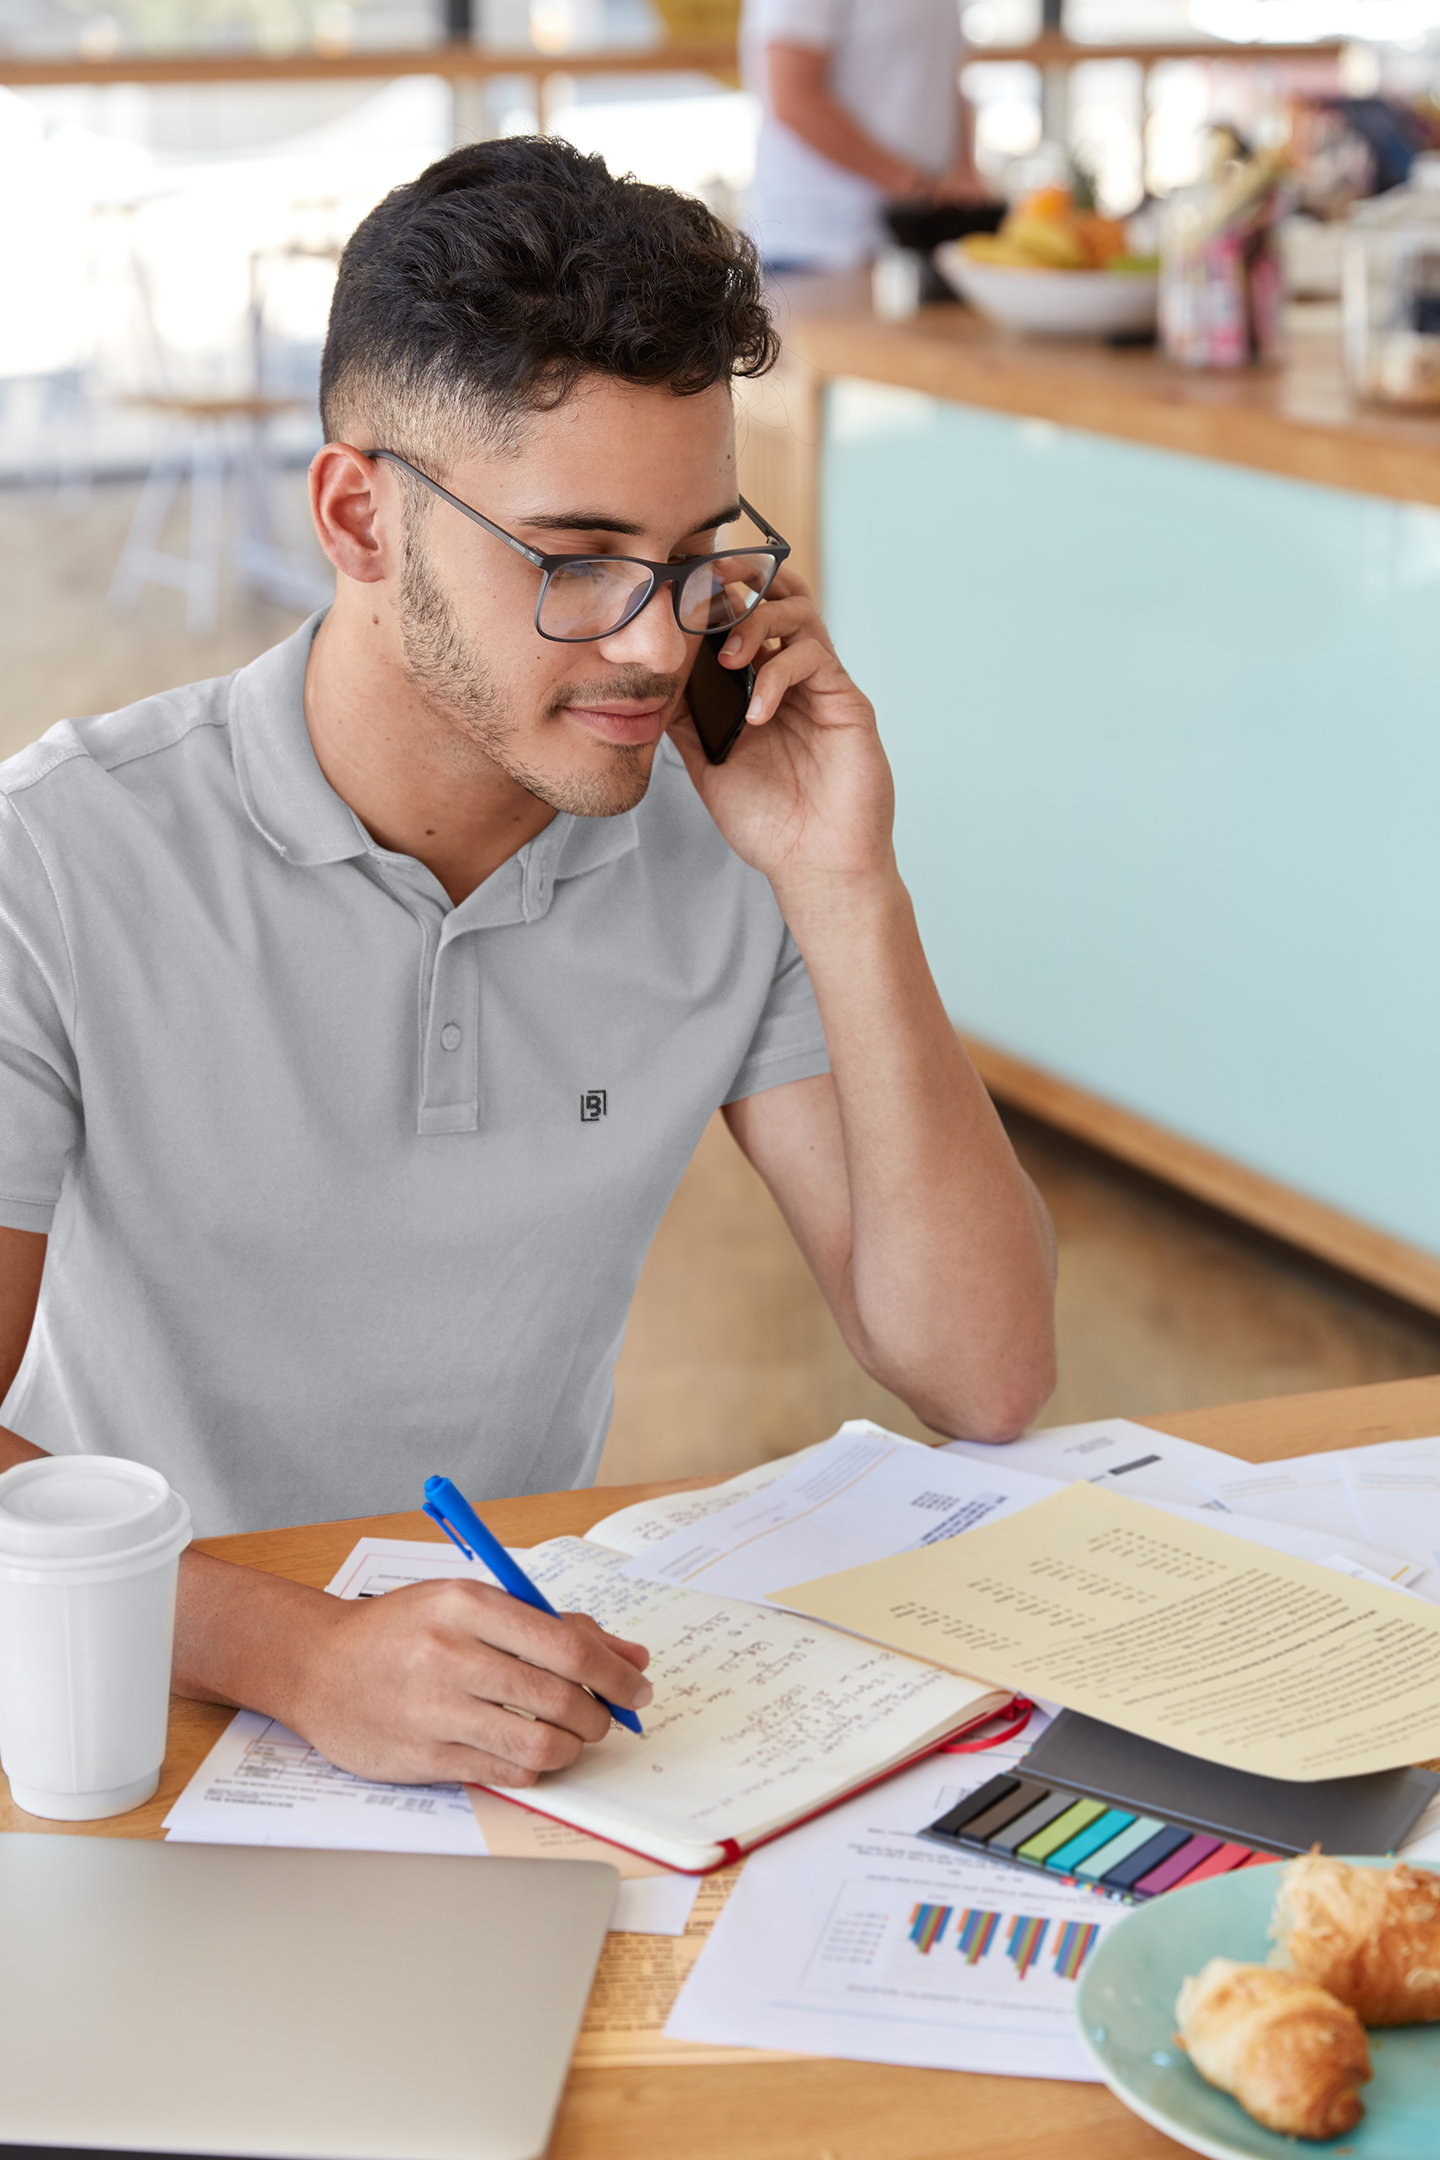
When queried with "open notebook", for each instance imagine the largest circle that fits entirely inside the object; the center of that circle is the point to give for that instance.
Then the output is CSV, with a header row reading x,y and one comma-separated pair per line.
x,y
759,1719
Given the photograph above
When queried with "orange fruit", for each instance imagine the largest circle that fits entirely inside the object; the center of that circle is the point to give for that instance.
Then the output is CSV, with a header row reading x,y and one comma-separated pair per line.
x,y
1048,203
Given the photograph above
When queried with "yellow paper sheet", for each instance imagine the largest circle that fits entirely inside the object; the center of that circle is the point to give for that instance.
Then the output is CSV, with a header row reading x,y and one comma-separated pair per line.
x,y
1166,1628
636,1983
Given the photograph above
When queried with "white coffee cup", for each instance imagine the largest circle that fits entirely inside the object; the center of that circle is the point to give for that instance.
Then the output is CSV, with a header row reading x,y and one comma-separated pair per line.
x,y
89,1555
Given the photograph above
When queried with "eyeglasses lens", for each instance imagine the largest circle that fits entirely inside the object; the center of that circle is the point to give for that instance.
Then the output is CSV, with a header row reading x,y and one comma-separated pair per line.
x,y
722,592
590,598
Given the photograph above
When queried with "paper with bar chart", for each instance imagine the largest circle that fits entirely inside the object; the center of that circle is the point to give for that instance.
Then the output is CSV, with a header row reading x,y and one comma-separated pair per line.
x,y
853,1938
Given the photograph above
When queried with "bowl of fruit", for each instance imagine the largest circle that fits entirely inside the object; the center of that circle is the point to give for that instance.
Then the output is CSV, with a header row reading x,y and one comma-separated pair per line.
x,y
1057,269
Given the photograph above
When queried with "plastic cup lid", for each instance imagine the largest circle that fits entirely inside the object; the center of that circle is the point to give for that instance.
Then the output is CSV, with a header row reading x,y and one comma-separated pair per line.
x,y
74,1506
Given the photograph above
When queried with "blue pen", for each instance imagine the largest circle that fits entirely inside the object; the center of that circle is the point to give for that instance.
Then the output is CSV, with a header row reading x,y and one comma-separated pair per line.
x,y
449,1507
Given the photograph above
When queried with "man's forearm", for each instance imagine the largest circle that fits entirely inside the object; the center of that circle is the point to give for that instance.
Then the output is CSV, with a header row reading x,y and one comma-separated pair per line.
x,y
245,1637
951,1266
237,1631
801,100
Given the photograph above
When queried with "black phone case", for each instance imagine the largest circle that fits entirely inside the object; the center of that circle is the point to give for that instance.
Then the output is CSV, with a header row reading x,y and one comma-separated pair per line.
x,y
718,698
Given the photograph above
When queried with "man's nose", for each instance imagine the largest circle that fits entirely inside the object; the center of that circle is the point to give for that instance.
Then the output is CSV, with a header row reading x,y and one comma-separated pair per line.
x,y
652,639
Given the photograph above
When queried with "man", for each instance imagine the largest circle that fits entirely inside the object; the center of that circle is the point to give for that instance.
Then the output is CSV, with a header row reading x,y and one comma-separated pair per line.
x,y
359,1013
860,103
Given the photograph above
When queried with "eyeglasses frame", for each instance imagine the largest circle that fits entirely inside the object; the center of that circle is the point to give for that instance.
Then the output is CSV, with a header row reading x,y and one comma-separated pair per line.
x,y
671,574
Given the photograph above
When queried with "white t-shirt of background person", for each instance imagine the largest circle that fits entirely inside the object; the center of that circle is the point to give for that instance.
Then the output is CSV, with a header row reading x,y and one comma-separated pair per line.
x,y
895,66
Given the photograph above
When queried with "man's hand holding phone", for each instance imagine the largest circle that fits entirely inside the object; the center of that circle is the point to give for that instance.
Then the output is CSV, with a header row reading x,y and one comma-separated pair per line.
x,y
806,792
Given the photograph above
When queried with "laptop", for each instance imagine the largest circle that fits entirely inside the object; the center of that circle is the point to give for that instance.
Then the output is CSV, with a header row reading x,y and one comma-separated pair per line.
x,y
201,1999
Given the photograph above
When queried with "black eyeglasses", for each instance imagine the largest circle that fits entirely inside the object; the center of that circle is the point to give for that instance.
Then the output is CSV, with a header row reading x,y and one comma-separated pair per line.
x,y
583,597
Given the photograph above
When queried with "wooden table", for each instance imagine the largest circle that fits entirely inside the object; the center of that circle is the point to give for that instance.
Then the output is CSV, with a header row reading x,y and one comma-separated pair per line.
x,y
796,2111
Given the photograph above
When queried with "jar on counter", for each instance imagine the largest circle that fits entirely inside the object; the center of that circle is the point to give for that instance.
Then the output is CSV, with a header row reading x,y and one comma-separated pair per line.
x,y
1220,272
1391,291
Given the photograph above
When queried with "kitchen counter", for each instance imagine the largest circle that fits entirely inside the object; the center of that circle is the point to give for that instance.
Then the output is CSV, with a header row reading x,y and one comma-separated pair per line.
x,y
1154,658
1297,418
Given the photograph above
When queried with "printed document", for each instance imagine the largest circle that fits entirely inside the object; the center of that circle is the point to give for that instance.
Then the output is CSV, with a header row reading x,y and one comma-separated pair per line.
x,y
636,1983
866,1494
1395,1492
1308,1490
861,1496
631,1529
854,1938
1115,1452
1167,1628
261,1784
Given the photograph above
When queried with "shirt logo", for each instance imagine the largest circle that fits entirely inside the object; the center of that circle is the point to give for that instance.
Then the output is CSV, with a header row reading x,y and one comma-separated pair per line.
x,y
592,1106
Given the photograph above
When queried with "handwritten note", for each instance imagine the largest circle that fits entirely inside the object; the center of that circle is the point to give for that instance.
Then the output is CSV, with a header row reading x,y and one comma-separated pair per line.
x,y
1166,1628
757,1716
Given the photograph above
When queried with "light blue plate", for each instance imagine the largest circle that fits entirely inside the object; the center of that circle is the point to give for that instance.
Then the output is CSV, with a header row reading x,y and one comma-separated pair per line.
x,y
1126,2008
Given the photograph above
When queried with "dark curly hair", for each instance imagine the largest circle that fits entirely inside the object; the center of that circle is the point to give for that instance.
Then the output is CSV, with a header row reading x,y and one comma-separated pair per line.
x,y
486,289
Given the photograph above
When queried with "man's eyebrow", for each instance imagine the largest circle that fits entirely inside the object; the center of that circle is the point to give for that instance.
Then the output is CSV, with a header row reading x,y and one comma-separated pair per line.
x,y
603,521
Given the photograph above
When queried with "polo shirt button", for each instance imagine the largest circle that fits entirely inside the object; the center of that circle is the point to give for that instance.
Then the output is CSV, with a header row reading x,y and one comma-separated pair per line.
x,y
450,1036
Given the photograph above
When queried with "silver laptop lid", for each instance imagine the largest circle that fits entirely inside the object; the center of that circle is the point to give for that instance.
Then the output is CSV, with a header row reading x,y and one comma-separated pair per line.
x,y
314,2005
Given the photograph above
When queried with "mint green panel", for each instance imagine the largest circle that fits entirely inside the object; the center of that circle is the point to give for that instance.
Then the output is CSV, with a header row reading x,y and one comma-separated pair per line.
x,y
1167,748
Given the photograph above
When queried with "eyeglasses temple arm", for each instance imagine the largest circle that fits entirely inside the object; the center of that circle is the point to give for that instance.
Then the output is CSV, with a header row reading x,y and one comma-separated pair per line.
x,y
530,554
765,526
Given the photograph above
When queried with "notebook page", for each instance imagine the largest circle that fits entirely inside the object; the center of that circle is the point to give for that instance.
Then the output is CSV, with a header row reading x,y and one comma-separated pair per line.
x,y
757,1717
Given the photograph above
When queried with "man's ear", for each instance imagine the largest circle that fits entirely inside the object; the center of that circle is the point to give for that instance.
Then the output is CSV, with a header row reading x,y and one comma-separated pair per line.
x,y
358,508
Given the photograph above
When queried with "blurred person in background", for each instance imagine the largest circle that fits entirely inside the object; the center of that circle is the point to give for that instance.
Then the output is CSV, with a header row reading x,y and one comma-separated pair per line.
x,y
860,105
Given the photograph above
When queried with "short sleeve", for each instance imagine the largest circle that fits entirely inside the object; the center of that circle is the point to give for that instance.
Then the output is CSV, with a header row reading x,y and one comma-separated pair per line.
x,y
788,1042
40,1116
795,22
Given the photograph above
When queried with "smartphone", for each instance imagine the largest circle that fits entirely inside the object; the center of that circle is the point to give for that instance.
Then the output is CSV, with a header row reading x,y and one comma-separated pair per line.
x,y
718,698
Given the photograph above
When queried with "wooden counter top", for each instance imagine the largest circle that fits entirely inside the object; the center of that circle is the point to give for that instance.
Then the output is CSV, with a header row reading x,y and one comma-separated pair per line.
x,y
1296,419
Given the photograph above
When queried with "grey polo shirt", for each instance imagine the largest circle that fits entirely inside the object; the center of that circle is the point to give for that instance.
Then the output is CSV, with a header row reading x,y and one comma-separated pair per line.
x,y
345,1185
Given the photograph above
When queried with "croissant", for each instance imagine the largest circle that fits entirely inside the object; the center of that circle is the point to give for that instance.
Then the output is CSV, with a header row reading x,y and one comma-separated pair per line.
x,y
1290,2054
1369,1935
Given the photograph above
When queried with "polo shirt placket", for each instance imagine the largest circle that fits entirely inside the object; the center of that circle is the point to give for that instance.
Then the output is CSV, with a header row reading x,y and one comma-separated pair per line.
x,y
448,992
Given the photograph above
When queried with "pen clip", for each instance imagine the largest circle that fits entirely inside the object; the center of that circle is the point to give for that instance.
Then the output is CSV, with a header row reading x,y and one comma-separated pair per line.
x,y
436,1517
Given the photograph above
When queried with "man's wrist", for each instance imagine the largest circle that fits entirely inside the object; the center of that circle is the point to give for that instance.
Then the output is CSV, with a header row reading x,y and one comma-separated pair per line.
x,y
908,178
246,1637
841,906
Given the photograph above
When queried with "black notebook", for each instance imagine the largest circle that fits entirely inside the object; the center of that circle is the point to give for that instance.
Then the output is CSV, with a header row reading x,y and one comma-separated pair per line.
x,y
1358,1815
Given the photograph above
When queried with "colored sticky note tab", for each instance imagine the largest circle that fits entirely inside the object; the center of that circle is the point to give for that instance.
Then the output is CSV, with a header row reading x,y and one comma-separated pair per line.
x,y
1106,1827
1177,1867
1221,1862
1119,1848
1031,1824
1145,1857
1060,1832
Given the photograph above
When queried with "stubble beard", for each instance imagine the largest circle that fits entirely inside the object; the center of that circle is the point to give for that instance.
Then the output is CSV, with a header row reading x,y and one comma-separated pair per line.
x,y
480,721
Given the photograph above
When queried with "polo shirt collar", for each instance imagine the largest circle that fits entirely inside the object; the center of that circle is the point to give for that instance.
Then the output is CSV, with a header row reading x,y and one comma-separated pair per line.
x,y
281,785
293,805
